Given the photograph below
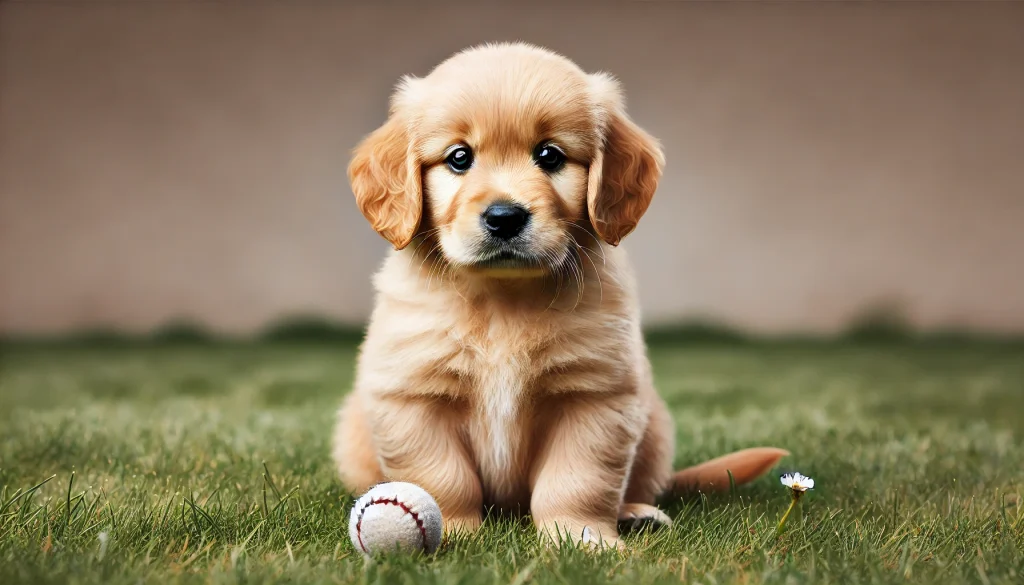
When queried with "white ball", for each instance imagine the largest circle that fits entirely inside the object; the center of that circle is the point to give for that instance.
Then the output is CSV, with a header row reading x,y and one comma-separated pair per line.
x,y
395,516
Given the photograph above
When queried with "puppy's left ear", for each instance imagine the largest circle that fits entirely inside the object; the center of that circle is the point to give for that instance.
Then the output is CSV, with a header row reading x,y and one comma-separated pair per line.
x,y
625,173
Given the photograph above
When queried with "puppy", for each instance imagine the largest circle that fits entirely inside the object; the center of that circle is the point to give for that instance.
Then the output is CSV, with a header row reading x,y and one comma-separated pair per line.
x,y
504,365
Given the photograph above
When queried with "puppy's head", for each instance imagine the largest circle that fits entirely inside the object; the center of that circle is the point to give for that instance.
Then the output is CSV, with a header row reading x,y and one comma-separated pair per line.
x,y
500,155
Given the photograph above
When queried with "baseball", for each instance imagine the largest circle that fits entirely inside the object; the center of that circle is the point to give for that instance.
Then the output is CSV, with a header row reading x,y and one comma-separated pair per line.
x,y
395,516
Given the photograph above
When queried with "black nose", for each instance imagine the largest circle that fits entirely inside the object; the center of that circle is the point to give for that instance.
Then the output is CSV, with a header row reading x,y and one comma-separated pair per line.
x,y
504,220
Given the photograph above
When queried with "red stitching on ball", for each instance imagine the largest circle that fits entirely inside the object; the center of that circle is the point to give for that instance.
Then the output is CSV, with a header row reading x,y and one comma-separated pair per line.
x,y
394,502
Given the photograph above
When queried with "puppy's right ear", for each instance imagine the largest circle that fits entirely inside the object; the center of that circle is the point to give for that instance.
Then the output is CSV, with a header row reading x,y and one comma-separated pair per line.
x,y
385,177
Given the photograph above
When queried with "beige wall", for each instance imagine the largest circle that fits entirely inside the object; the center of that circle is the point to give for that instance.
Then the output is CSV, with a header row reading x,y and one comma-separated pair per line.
x,y
183,158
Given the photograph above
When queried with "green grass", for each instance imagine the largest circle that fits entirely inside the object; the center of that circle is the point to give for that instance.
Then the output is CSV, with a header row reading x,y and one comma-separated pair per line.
x,y
210,463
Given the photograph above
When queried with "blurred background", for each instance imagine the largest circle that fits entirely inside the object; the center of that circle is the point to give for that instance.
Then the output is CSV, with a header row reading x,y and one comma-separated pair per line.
x,y
184,160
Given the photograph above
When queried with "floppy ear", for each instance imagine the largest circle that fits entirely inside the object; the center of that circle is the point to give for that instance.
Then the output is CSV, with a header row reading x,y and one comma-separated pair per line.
x,y
385,177
623,178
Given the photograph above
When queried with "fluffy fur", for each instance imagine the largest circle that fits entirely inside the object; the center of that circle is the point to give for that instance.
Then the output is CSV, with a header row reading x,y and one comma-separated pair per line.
x,y
521,384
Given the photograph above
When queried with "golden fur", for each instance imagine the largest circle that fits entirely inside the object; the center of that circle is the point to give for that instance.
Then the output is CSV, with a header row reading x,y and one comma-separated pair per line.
x,y
524,386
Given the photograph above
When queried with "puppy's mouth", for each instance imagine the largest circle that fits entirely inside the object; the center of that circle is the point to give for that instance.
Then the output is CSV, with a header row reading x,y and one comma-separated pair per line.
x,y
508,259
509,262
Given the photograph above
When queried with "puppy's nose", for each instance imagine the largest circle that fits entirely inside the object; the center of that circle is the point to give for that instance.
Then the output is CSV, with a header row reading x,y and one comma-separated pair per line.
x,y
505,220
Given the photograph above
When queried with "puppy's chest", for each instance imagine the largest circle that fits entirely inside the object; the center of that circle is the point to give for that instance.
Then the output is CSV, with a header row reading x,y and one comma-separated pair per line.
x,y
501,364
501,387
501,370
495,374
507,370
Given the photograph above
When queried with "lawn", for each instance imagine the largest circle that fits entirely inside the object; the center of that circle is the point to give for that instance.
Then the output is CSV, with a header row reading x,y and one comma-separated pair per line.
x,y
195,463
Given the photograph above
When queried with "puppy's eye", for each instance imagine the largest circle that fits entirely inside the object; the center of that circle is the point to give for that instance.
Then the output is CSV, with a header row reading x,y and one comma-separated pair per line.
x,y
459,159
549,157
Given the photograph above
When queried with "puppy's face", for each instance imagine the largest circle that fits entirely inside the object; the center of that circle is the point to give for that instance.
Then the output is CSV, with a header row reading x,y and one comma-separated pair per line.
x,y
507,150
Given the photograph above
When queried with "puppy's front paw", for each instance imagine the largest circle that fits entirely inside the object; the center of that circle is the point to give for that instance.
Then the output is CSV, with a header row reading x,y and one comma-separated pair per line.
x,y
589,536
464,524
593,539
635,517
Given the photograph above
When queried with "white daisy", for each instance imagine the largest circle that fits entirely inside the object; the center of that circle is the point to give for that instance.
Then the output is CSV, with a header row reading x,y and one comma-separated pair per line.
x,y
797,482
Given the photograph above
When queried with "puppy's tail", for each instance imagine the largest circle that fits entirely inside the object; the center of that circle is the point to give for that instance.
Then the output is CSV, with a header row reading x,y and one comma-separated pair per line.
x,y
714,476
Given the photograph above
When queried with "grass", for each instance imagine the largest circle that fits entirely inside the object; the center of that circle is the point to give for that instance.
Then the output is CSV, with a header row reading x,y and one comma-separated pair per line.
x,y
182,463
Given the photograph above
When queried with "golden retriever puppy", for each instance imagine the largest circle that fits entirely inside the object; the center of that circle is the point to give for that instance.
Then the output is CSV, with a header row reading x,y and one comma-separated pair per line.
x,y
504,364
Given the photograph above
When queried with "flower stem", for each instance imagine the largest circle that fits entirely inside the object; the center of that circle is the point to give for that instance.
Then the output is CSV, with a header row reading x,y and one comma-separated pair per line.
x,y
778,529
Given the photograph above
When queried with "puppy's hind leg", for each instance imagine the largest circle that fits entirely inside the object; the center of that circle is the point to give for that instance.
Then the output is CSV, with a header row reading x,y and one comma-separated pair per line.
x,y
651,471
636,517
353,449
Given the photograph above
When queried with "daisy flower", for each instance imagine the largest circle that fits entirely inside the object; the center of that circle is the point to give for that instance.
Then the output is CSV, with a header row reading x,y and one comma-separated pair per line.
x,y
797,483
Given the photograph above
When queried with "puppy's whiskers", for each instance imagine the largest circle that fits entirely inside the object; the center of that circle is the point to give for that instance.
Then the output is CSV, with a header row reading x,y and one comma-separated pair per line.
x,y
600,247
421,239
557,274
449,270
429,255
439,267
577,274
597,272
435,262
